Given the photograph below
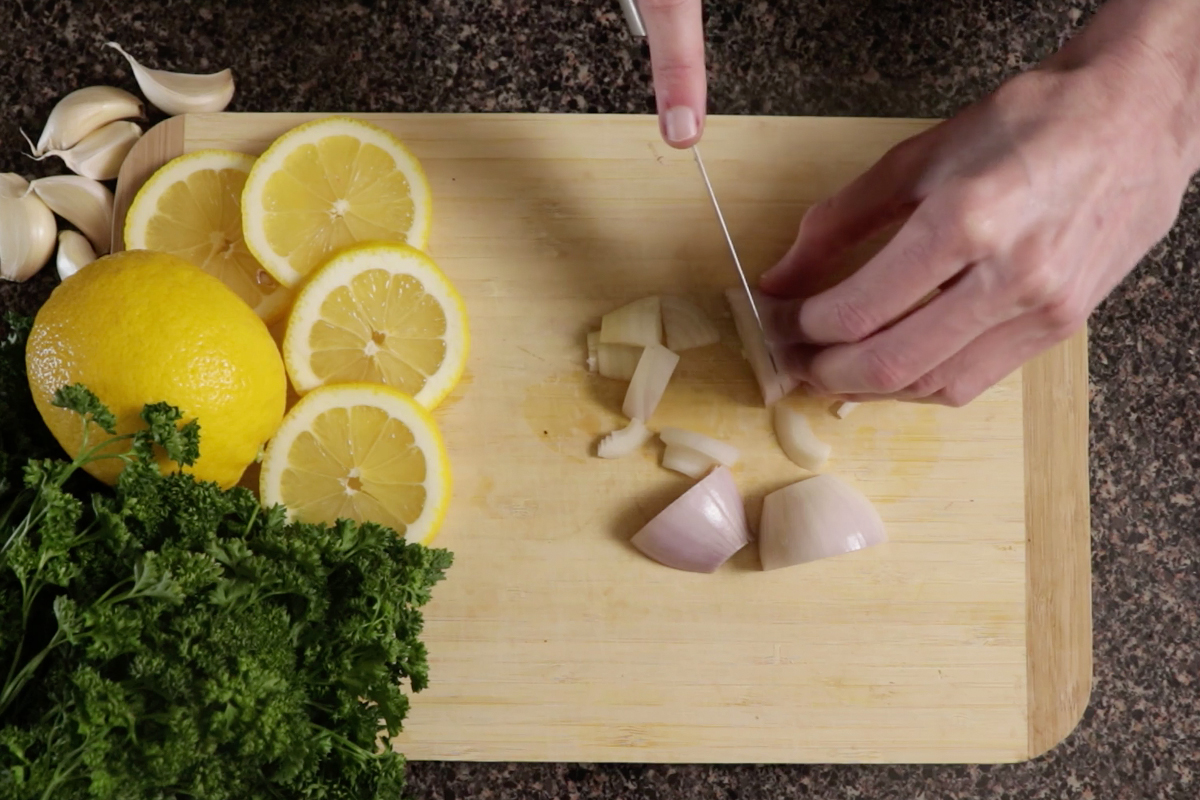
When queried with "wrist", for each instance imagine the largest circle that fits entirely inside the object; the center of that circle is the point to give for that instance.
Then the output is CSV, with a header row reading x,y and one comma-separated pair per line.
x,y
1146,55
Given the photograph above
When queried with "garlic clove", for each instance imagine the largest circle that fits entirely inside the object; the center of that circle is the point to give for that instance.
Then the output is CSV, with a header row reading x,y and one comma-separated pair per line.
x,y
178,92
99,155
74,253
27,230
83,111
85,203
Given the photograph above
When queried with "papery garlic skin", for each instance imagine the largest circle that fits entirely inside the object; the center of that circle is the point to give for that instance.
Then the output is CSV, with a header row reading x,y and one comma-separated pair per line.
x,y
85,203
99,155
74,253
27,230
84,111
180,92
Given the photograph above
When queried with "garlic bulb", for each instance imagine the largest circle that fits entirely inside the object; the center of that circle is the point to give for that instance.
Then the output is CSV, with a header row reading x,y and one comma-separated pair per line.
x,y
74,253
178,92
84,111
99,155
85,203
27,230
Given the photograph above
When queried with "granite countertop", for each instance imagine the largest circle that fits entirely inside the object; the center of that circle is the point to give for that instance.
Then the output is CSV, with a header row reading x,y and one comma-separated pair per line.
x,y
1140,737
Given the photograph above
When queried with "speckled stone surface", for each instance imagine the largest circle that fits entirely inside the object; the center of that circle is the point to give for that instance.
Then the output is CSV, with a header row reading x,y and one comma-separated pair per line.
x,y
1140,738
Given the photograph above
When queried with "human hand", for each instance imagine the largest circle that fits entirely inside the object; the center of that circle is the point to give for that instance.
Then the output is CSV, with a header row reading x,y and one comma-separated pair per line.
x,y
1022,214
675,33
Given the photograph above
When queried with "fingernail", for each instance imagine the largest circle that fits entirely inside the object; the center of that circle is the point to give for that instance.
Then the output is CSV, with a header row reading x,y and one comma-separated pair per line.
x,y
680,123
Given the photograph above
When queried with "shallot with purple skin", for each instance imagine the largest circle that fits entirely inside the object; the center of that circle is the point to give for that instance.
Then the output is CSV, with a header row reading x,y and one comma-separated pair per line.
x,y
816,518
701,530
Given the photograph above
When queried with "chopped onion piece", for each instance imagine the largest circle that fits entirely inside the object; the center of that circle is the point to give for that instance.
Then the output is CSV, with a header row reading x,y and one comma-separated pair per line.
x,y
649,381
718,452
625,441
816,518
701,529
687,461
843,409
774,385
686,325
593,357
797,439
639,323
618,361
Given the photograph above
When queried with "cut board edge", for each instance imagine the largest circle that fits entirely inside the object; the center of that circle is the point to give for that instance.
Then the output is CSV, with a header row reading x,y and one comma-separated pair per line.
x,y
1058,567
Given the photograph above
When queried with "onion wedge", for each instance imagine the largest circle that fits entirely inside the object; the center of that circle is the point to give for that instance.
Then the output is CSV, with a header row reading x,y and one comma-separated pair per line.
x,y
685,325
797,439
638,323
816,518
701,529
654,370
625,441
773,385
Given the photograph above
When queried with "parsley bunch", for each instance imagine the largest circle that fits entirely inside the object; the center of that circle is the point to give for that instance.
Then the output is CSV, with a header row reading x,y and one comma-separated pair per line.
x,y
169,639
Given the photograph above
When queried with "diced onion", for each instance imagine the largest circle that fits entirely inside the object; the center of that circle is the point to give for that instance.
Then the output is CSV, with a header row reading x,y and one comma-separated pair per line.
x,y
593,356
686,461
649,381
719,452
843,409
701,529
797,439
816,518
685,325
625,441
772,384
638,323
618,361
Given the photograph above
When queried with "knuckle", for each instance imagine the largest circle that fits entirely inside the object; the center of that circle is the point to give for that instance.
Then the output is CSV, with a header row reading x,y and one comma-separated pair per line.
x,y
1037,285
924,386
883,372
976,219
957,394
1064,312
849,321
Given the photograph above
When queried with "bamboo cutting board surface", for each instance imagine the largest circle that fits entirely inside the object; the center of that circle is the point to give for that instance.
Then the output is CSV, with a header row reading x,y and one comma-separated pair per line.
x,y
966,638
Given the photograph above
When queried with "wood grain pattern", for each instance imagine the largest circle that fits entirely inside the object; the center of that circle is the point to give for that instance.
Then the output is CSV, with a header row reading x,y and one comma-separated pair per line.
x,y
966,638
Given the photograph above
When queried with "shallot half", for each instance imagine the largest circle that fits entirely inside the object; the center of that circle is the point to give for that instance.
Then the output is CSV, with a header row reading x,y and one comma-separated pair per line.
x,y
773,384
701,529
816,518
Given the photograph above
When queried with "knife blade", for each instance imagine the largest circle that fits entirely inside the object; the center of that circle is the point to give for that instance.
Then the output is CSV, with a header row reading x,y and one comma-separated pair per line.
x,y
737,262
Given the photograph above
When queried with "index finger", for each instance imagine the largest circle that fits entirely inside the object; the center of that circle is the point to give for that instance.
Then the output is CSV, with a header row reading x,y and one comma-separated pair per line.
x,y
675,33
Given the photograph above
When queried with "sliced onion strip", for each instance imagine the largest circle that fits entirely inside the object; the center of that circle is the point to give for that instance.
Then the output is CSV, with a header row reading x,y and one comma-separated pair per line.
x,y
638,323
593,356
773,385
618,361
624,441
717,451
654,370
701,529
686,461
816,518
843,409
685,325
797,439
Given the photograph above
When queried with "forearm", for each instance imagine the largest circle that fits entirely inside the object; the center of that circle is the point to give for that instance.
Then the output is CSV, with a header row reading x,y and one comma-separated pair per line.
x,y
1151,51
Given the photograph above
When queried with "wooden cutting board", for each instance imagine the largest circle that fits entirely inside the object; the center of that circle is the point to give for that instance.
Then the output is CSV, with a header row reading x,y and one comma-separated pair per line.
x,y
967,638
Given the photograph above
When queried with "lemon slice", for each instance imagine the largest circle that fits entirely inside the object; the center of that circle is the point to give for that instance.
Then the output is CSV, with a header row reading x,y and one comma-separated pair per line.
x,y
378,313
191,208
326,185
360,452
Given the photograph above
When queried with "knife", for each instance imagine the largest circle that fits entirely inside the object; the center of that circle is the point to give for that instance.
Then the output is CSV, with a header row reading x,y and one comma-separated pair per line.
x,y
637,29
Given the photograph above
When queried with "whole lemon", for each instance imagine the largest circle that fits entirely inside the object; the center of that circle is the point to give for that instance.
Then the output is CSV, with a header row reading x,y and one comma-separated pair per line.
x,y
141,327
